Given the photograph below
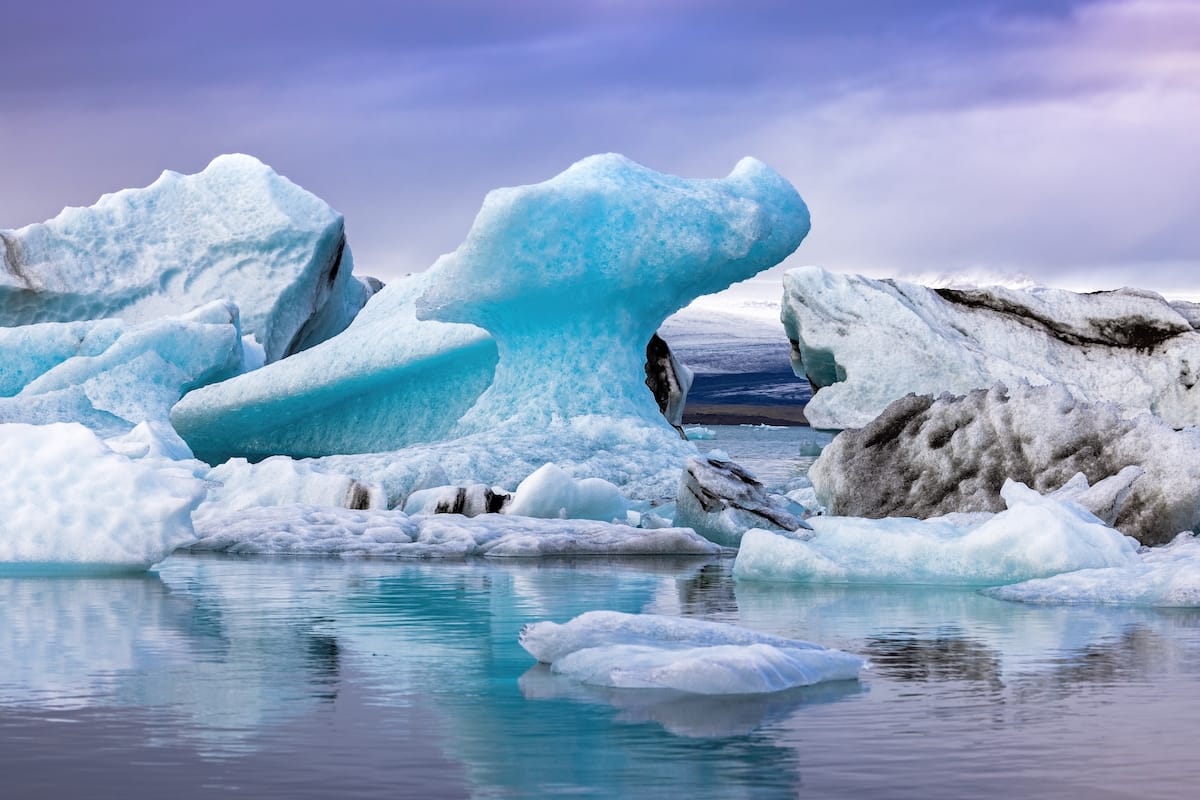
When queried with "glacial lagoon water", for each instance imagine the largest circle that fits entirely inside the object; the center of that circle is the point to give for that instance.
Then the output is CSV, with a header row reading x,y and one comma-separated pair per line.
x,y
297,678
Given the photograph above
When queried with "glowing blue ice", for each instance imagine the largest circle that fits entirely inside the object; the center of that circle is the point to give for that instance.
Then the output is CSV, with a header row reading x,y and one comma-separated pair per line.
x,y
570,277
387,381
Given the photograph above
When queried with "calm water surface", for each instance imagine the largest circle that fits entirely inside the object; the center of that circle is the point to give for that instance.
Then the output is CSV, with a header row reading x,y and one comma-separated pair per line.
x,y
298,678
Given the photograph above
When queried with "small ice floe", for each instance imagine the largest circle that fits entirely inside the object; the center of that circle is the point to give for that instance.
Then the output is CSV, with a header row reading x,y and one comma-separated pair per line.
x,y
1036,537
648,651
697,432
1166,576
324,530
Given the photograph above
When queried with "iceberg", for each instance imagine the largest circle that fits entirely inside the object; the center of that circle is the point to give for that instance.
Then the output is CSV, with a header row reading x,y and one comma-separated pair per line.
x,y
924,457
111,375
1035,537
865,343
331,531
70,499
236,231
647,651
570,278
1166,576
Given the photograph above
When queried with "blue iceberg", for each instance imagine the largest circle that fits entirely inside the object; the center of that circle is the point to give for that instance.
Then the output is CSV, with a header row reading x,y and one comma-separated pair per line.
x,y
569,278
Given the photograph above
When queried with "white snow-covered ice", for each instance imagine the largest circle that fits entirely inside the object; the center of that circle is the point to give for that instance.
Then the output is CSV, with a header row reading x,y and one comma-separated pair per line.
x,y
70,499
864,343
331,531
236,231
647,651
1035,537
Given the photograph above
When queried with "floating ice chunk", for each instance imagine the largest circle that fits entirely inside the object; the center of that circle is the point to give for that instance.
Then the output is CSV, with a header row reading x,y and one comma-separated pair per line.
x,y
924,457
1161,576
699,432
388,381
236,230
646,651
549,493
722,501
1035,537
119,374
70,499
865,343
323,530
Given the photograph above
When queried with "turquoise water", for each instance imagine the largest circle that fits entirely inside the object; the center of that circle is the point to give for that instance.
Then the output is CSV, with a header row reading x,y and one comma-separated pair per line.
x,y
312,678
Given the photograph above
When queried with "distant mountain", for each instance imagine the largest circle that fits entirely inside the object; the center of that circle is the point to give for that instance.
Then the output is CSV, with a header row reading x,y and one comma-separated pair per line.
x,y
740,357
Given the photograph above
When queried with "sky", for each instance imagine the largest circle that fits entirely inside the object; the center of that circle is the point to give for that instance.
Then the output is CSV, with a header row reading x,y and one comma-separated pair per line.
x,y
1052,141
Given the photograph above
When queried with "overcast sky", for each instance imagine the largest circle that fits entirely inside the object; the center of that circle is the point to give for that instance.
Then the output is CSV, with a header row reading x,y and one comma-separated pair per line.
x,y
1058,140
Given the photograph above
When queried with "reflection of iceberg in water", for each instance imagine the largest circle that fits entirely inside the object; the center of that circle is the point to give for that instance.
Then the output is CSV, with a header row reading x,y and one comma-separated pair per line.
x,y
137,642
690,715
952,634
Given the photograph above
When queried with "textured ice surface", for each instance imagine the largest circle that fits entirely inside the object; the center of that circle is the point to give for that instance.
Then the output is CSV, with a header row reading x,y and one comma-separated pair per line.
x,y
647,651
1034,537
386,382
280,481
923,457
68,498
1162,576
323,530
870,342
111,375
571,277
237,230
721,501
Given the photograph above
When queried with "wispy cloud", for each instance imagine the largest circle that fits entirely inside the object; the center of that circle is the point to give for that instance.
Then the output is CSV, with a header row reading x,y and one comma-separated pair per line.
x,y
1043,137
